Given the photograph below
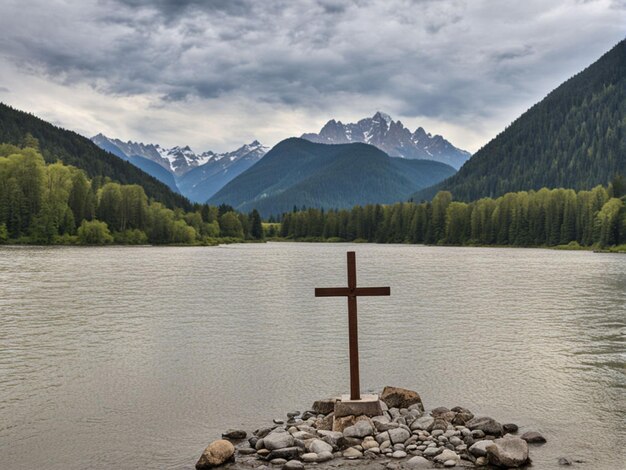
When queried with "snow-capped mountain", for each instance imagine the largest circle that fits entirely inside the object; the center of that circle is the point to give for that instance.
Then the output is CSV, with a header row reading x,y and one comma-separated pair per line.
x,y
196,176
393,138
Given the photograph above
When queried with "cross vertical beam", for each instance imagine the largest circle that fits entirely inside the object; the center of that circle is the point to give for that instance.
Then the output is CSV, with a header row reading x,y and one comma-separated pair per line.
x,y
353,329
351,292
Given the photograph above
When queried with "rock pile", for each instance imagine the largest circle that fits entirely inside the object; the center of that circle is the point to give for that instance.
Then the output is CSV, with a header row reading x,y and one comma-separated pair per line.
x,y
401,437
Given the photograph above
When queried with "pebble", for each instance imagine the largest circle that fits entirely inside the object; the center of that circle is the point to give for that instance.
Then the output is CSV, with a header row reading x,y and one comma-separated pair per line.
x,y
309,457
399,454
533,437
432,451
293,465
352,453
324,456
234,434
564,461
510,427
278,461
481,461
449,463
278,421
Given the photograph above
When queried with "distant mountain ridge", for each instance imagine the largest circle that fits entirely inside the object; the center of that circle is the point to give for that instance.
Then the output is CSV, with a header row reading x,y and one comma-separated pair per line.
x,y
298,172
196,176
574,138
392,138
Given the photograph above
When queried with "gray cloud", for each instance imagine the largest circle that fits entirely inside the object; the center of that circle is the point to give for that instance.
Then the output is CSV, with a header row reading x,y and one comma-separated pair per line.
x,y
455,62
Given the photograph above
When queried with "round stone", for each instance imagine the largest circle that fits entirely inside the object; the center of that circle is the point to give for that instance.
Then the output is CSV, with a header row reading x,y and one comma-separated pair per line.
x,y
399,454
449,463
293,465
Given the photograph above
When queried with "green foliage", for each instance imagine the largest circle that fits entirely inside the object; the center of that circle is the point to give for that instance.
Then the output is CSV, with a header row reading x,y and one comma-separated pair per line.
x,y
535,218
230,225
574,138
130,237
4,233
94,232
25,130
45,204
256,226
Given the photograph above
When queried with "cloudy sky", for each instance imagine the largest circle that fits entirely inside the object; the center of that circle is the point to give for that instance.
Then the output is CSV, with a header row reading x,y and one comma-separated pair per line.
x,y
215,74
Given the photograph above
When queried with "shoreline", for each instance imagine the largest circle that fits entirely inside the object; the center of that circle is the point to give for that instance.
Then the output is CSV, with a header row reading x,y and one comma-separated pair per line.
x,y
395,434
620,249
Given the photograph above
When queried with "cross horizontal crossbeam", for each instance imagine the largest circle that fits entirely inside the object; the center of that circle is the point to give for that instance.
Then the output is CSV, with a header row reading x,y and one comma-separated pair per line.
x,y
347,292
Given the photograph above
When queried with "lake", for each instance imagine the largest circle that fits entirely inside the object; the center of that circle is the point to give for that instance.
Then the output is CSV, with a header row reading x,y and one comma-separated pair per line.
x,y
138,357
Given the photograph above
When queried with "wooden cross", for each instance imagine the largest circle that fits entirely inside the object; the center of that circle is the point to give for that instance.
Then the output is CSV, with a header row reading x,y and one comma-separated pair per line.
x,y
351,292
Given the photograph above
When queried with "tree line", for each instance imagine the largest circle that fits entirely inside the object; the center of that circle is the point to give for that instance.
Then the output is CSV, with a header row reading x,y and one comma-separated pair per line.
x,y
56,203
548,217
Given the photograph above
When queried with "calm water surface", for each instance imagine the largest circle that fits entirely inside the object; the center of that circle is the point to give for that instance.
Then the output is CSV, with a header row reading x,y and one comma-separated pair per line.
x,y
125,358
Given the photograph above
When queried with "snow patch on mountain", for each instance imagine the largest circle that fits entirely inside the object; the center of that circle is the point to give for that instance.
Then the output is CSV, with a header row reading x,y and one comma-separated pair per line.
x,y
391,137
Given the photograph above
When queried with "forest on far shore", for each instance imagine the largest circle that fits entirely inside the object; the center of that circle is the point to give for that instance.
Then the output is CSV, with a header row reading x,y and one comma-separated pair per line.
x,y
58,204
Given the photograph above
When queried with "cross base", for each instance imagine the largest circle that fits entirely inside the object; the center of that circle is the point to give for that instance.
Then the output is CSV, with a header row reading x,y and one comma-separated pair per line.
x,y
368,405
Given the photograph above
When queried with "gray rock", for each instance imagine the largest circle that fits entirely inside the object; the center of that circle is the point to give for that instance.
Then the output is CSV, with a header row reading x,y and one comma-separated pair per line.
x,y
303,435
533,437
481,461
418,463
425,423
440,423
278,421
345,442
359,429
286,453
234,434
262,432
399,454
478,434
455,441
293,465
278,440
432,451
352,453
325,456
564,461
318,446
382,437
463,415
332,437
396,397
309,457
508,452
485,424
398,435
510,427
450,463
324,407
278,462
446,455
246,451
398,447
479,448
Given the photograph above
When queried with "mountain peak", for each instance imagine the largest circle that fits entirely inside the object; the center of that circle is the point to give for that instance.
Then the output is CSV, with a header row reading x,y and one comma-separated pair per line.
x,y
391,137
385,117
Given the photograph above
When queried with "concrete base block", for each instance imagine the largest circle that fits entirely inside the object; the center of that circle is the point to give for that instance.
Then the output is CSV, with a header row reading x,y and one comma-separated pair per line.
x,y
368,405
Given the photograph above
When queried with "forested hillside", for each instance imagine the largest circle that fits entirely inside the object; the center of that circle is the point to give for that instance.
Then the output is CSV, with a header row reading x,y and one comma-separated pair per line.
x,y
56,203
535,218
72,149
574,138
299,173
